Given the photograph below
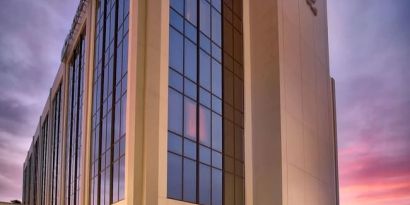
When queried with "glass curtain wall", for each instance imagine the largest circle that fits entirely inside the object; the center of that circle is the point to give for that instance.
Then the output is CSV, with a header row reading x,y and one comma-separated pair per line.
x,y
109,102
205,102
74,125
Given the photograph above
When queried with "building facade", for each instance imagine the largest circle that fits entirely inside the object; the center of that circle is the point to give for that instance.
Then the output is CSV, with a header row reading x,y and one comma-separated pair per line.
x,y
175,102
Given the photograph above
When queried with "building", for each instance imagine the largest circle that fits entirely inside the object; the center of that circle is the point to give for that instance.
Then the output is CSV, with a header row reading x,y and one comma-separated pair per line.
x,y
177,102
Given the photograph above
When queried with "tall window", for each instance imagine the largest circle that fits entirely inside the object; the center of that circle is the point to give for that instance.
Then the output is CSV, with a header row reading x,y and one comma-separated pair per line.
x,y
109,102
205,107
74,125
55,147
44,158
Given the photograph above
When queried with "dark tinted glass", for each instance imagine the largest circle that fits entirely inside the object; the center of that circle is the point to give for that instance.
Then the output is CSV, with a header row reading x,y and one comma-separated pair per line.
x,y
204,184
189,179
174,182
204,126
176,50
190,67
175,111
205,18
191,11
205,70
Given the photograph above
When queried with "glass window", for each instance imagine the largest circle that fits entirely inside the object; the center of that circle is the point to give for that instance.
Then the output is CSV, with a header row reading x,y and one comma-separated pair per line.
x,y
175,50
205,70
204,184
190,31
191,11
178,5
175,111
175,80
190,89
205,18
216,187
189,149
204,126
190,119
174,182
205,98
176,21
174,143
189,179
205,155
216,132
216,27
216,78
190,60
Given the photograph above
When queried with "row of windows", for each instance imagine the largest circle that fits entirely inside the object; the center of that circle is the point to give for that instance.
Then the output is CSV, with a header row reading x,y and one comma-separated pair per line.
x,y
109,102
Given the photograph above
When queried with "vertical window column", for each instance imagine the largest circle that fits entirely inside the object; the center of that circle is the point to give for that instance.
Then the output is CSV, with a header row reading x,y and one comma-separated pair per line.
x,y
109,102
195,102
74,125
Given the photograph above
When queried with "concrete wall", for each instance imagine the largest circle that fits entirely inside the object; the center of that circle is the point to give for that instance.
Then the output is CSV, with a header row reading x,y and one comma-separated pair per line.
x,y
291,105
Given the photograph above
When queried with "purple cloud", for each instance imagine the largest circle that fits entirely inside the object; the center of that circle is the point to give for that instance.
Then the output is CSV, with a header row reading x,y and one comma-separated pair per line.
x,y
369,49
31,36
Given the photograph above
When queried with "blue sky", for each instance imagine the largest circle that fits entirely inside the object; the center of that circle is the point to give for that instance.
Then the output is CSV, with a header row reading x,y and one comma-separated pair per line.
x,y
369,58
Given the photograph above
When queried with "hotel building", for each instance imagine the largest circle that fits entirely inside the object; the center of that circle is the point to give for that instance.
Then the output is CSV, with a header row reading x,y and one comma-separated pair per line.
x,y
178,102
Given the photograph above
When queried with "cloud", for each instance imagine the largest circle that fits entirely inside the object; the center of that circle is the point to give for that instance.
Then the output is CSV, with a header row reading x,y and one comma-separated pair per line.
x,y
369,58
31,37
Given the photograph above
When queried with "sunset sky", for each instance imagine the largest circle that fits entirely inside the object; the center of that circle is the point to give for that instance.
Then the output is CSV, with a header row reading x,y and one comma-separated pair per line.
x,y
370,61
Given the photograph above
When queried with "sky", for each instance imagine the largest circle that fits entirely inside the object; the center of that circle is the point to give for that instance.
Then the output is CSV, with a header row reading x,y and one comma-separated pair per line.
x,y
369,58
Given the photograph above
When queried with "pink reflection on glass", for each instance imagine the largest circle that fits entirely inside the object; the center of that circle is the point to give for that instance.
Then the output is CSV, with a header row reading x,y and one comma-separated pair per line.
x,y
190,119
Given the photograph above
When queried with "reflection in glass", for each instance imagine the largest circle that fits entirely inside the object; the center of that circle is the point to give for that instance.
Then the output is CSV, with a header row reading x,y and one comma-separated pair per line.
x,y
204,126
190,119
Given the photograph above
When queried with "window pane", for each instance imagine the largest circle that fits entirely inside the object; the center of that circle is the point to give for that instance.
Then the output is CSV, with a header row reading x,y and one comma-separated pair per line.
x,y
205,43
115,181
204,126
175,111
205,98
175,50
175,80
176,20
216,104
205,155
190,89
191,11
178,5
205,70
190,119
216,159
121,180
189,149
190,60
216,78
216,132
174,143
216,27
204,184
217,4
205,18
189,180
190,31
175,182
